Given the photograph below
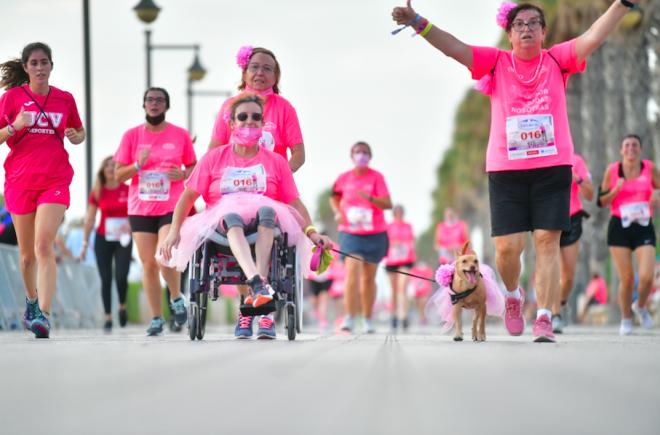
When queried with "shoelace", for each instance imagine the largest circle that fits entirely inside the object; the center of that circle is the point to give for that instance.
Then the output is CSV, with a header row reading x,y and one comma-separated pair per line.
x,y
244,321
513,308
265,322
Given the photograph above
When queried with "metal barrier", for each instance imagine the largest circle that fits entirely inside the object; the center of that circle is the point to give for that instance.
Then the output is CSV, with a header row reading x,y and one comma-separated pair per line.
x,y
77,302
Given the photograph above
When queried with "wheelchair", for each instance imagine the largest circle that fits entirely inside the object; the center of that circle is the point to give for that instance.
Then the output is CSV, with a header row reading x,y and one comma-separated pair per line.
x,y
213,264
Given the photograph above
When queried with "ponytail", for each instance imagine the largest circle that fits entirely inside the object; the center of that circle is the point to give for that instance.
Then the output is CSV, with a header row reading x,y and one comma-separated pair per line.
x,y
12,74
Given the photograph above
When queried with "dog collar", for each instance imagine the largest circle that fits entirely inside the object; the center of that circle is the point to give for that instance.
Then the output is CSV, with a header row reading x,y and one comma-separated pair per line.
x,y
456,297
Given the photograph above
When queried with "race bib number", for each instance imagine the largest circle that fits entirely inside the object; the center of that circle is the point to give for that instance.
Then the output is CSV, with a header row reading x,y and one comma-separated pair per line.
x,y
251,180
115,228
530,136
639,212
154,186
400,252
360,218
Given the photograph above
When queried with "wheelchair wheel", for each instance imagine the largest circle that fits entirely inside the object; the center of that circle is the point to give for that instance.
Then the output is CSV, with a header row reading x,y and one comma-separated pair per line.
x,y
291,322
193,319
298,294
201,319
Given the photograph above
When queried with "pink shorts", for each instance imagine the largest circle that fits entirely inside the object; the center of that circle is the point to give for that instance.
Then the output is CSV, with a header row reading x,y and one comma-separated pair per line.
x,y
25,201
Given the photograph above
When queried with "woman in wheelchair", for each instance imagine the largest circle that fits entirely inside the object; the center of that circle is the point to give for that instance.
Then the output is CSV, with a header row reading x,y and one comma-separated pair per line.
x,y
245,186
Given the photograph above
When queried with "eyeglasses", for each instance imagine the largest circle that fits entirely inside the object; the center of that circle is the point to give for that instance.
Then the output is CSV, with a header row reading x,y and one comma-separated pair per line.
x,y
266,69
532,25
244,116
157,100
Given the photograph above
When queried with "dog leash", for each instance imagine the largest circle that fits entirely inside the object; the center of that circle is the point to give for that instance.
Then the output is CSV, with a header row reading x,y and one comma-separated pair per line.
x,y
395,271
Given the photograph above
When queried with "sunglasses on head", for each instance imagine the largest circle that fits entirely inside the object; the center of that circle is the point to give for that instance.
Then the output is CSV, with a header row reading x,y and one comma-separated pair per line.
x,y
244,116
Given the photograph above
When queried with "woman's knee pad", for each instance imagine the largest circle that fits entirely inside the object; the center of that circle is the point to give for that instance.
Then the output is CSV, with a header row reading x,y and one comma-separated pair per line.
x,y
233,220
266,216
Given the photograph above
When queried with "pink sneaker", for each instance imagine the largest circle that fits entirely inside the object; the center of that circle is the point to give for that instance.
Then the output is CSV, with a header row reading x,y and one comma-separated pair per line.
x,y
542,330
513,318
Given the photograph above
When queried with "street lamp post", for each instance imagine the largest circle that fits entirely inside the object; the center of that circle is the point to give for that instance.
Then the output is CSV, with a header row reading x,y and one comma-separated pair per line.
x,y
88,99
147,11
205,93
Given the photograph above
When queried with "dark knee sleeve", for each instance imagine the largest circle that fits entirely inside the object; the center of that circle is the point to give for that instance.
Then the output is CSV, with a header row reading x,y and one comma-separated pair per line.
x,y
266,217
233,220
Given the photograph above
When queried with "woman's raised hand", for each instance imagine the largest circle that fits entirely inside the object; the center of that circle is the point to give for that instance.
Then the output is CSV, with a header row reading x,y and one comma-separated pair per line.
x,y
403,15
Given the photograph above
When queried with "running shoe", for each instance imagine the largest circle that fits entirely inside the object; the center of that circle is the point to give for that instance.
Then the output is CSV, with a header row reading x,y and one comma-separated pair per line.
x,y
266,329
156,327
513,318
347,324
123,317
32,311
626,327
263,292
40,326
369,327
179,310
557,324
243,326
643,316
107,326
542,330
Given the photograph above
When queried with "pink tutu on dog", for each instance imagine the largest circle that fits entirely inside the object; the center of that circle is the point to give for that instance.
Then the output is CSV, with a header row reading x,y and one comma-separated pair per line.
x,y
196,229
439,304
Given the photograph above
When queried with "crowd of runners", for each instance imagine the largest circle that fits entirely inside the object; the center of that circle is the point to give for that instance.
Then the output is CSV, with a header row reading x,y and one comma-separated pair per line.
x,y
246,178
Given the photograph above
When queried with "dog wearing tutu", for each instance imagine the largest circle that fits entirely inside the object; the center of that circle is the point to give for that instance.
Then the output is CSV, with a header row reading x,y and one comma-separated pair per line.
x,y
465,284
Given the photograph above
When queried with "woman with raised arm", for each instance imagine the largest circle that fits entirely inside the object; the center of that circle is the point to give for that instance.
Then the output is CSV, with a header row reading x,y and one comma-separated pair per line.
x,y
530,149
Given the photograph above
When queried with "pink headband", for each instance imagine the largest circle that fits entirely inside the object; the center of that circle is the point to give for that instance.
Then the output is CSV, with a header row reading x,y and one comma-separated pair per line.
x,y
243,56
503,12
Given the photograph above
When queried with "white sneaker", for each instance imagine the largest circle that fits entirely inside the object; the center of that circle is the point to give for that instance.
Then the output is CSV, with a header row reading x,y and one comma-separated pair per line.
x,y
369,327
626,327
347,324
643,316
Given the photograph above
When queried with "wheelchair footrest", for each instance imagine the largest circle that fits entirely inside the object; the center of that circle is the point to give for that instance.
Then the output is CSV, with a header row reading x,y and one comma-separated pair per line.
x,y
267,308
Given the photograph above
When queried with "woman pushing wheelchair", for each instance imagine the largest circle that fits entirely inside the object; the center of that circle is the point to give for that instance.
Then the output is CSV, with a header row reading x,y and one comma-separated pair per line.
x,y
246,187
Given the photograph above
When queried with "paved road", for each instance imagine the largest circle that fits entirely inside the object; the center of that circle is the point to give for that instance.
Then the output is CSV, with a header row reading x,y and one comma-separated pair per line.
x,y
591,382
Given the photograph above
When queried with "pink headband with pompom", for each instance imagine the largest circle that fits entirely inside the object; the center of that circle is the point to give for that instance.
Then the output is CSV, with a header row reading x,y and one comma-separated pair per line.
x,y
243,56
503,12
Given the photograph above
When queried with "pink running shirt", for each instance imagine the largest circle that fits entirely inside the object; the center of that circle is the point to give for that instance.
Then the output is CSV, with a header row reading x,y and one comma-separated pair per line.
x,y
529,122
360,215
150,192
402,244
37,158
633,200
280,120
222,171
597,288
581,170
421,287
451,236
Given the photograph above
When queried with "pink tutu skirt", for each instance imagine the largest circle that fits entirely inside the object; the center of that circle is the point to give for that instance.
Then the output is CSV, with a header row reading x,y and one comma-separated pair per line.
x,y
439,304
196,229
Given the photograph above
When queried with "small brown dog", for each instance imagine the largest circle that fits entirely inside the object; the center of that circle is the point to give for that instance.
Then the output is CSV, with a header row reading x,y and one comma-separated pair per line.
x,y
469,291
